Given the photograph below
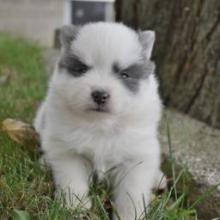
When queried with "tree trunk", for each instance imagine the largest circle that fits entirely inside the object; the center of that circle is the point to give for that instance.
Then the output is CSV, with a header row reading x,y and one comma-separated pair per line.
x,y
187,51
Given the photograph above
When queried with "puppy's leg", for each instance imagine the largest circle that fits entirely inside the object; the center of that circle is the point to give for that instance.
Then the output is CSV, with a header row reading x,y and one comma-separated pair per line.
x,y
40,120
161,181
72,180
134,190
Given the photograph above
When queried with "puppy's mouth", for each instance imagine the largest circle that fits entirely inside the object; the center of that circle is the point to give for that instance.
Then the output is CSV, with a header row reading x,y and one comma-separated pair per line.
x,y
99,109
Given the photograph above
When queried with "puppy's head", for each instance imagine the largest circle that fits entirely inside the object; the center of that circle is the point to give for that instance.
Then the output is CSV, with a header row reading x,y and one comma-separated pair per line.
x,y
103,68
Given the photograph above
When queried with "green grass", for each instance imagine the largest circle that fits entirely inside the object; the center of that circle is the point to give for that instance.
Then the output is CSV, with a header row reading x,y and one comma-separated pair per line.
x,y
26,188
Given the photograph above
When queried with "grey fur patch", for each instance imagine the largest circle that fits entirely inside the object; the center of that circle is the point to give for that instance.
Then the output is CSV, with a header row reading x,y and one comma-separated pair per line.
x,y
73,64
147,39
67,34
132,75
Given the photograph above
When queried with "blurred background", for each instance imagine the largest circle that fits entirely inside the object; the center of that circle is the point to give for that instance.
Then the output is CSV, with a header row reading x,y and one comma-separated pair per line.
x,y
39,19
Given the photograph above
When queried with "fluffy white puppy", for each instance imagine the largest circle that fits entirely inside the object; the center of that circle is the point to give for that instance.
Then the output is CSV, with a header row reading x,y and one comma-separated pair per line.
x,y
102,111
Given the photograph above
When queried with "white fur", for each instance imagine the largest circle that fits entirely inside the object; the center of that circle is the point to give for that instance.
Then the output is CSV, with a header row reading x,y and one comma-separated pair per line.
x,y
76,141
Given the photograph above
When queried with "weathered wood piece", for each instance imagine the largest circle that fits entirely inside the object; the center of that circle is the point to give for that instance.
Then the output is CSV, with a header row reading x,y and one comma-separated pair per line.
x,y
187,51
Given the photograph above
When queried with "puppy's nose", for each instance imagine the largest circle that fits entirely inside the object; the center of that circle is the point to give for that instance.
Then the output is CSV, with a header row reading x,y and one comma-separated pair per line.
x,y
100,97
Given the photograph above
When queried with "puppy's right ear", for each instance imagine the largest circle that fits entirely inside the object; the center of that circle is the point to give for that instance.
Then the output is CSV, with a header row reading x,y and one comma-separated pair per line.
x,y
67,35
147,39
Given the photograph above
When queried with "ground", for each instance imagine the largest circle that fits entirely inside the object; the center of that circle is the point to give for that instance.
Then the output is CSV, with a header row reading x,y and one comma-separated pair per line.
x,y
26,187
196,147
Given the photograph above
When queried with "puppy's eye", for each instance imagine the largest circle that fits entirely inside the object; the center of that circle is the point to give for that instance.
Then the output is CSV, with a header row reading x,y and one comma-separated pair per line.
x,y
124,75
78,69
81,68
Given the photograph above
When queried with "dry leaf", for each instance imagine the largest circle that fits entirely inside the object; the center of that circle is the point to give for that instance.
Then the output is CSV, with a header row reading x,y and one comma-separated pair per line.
x,y
6,74
20,132
4,79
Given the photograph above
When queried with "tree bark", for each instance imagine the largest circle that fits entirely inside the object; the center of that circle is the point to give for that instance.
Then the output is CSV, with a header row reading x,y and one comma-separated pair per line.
x,y
187,51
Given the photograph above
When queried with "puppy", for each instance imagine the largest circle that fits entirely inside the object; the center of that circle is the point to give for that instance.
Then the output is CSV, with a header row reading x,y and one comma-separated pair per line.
x,y
102,111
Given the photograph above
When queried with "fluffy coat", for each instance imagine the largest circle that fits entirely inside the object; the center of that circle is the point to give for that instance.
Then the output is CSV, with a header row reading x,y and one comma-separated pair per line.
x,y
80,136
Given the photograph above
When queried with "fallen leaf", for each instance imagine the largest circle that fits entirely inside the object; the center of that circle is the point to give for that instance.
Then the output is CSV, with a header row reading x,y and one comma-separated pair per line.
x,y
21,132
6,74
4,79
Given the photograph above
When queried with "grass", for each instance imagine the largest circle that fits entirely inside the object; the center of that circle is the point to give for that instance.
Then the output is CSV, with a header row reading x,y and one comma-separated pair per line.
x,y
26,187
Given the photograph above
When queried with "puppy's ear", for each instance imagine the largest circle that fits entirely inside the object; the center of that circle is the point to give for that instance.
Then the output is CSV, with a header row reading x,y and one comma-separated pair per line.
x,y
147,39
68,34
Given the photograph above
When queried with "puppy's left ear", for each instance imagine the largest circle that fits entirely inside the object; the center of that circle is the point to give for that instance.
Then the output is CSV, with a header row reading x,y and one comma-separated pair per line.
x,y
147,39
68,34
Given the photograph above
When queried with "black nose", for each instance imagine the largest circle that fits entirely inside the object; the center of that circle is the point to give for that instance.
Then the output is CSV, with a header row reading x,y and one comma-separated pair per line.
x,y
100,97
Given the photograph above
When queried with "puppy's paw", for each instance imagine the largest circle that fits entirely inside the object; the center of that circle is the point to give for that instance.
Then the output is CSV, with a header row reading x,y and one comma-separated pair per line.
x,y
72,201
161,181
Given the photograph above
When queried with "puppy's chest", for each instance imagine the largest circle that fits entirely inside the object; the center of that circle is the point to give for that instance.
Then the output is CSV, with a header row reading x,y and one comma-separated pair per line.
x,y
104,148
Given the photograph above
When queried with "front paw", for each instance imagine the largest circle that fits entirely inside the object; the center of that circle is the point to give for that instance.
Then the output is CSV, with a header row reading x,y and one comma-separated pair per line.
x,y
161,181
70,200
